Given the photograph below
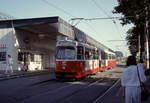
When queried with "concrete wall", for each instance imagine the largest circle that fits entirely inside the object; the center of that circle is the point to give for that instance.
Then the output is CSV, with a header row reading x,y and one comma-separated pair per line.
x,y
8,44
43,46
11,40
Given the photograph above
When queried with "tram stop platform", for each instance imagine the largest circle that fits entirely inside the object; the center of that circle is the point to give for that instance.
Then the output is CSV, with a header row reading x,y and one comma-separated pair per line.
x,y
17,74
114,94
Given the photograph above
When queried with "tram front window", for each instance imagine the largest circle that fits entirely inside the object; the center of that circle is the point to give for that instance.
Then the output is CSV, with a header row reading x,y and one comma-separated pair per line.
x,y
65,53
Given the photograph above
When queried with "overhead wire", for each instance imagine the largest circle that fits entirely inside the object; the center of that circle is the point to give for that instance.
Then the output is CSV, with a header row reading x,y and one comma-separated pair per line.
x,y
101,9
98,6
116,26
67,13
58,8
113,20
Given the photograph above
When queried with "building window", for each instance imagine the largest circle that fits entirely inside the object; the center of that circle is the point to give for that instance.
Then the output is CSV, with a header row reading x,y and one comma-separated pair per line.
x,y
2,56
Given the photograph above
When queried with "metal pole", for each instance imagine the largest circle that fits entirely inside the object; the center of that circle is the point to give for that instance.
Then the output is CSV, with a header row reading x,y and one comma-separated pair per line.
x,y
146,41
139,47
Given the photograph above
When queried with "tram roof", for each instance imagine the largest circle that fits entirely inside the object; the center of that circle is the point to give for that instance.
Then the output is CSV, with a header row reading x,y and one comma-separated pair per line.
x,y
51,27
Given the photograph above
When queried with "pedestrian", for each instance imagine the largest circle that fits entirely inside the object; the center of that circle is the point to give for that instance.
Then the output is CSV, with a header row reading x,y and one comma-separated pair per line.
x,y
141,65
9,64
131,90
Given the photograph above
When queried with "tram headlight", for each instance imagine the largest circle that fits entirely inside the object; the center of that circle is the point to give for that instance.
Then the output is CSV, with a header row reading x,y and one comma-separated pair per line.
x,y
63,67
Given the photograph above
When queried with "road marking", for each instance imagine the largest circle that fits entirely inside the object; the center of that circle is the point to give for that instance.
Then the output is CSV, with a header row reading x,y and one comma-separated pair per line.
x,y
96,101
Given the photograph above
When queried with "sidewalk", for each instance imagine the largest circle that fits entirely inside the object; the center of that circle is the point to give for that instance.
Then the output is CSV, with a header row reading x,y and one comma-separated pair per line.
x,y
114,95
17,74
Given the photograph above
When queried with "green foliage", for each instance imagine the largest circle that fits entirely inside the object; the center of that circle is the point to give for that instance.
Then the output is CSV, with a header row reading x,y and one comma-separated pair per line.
x,y
119,54
132,40
134,11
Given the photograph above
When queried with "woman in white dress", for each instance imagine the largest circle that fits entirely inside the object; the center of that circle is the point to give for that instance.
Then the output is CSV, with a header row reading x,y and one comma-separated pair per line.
x,y
9,64
130,81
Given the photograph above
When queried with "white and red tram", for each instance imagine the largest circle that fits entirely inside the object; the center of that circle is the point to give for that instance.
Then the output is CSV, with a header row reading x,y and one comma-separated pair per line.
x,y
108,60
76,59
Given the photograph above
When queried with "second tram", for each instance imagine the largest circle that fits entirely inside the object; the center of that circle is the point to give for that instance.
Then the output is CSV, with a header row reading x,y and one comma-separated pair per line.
x,y
77,59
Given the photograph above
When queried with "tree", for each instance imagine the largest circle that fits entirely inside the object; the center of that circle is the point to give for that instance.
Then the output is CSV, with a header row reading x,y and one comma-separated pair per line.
x,y
119,54
132,39
134,11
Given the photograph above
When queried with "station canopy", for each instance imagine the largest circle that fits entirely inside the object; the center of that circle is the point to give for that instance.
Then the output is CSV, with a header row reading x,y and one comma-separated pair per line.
x,y
46,26
50,27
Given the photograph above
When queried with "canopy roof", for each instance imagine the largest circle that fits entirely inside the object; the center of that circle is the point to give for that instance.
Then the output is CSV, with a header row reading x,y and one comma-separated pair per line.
x,y
51,27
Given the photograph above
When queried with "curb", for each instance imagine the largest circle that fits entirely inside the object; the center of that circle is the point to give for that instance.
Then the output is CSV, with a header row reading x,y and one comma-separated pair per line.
x,y
26,74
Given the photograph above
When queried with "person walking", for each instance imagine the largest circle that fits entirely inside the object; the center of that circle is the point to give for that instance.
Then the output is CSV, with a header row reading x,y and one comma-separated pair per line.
x,y
9,65
130,81
141,65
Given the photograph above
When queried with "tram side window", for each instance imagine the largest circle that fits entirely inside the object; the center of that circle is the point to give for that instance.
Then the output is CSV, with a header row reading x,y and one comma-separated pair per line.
x,y
109,56
103,56
80,53
113,56
95,54
86,55
106,56
91,55
2,56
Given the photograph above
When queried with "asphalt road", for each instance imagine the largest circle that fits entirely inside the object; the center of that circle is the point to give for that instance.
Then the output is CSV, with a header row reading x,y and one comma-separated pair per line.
x,y
47,89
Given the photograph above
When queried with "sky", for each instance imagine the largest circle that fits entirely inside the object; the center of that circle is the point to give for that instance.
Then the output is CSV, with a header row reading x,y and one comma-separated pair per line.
x,y
108,32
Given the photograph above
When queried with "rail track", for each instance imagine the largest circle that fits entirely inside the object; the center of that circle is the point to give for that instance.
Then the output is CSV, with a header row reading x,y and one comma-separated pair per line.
x,y
64,90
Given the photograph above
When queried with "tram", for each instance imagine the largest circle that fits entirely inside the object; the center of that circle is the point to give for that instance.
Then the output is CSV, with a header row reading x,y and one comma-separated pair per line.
x,y
77,59
108,60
